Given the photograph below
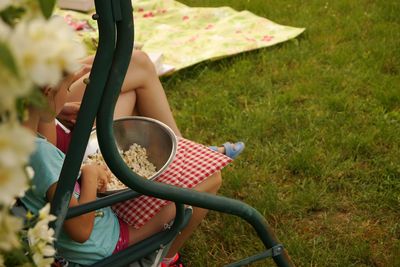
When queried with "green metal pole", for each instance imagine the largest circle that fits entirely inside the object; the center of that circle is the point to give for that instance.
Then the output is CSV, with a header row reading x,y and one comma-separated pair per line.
x,y
163,191
122,15
86,115
145,247
101,203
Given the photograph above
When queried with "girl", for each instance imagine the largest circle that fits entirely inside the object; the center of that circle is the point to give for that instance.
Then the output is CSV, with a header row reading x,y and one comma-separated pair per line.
x,y
141,94
90,237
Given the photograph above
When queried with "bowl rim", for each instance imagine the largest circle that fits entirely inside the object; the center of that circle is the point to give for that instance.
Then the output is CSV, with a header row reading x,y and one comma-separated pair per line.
x,y
169,131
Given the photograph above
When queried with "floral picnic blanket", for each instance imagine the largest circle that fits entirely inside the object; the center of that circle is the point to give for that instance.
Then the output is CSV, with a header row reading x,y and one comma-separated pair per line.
x,y
188,35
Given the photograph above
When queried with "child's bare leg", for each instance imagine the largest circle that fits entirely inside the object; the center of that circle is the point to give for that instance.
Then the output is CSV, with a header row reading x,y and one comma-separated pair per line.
x,y
156,224
150,100
211,185
125,105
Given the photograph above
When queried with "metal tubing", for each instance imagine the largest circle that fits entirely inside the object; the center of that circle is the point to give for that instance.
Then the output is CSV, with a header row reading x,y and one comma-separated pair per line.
x,y
266,254
94,92
145,247
101,74
86,115
101,203
121,61
159,190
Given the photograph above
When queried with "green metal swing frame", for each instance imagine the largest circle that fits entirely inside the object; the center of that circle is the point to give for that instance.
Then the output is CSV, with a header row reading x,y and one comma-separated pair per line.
x,y
116,32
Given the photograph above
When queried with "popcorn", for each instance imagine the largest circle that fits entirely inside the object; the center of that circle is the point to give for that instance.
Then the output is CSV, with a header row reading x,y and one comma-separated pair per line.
x,y
136,159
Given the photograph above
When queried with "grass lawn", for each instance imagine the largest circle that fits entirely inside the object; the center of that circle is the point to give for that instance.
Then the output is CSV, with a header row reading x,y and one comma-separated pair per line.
x,y
320,116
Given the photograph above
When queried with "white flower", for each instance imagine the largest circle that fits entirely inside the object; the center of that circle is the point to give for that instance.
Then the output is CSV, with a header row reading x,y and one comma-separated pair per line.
x,y
43,248
41,231
41,238
9,228
31,8
44,214
40,261
11,86
4,4
29,170
4,30
46,49
13,183
16,144
48,251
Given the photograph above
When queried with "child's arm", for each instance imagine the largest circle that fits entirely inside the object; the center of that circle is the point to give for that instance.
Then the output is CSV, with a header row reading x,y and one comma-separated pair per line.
x,y
80,228
48,130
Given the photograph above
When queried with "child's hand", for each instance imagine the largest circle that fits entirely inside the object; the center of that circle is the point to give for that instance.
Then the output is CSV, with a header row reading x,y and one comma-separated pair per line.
x,y
103,179
97,176
69,113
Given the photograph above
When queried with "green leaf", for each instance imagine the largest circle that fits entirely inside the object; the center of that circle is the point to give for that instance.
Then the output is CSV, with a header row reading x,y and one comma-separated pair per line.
x,y
34,98
47,7
7,59
16,257
12,14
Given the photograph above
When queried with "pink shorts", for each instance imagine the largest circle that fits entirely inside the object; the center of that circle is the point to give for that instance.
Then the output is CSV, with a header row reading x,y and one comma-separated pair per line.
x,y
123,240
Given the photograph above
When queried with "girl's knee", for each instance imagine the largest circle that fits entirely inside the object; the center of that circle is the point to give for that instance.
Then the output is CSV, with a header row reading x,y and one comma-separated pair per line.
x,y
217,179
213,183
141,60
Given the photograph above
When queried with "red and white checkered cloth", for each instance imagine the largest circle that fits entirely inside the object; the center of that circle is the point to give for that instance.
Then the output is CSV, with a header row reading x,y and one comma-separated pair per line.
x,y
193,163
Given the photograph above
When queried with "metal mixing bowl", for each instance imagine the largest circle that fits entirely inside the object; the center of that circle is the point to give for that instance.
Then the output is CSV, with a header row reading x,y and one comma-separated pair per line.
x,y
158,139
